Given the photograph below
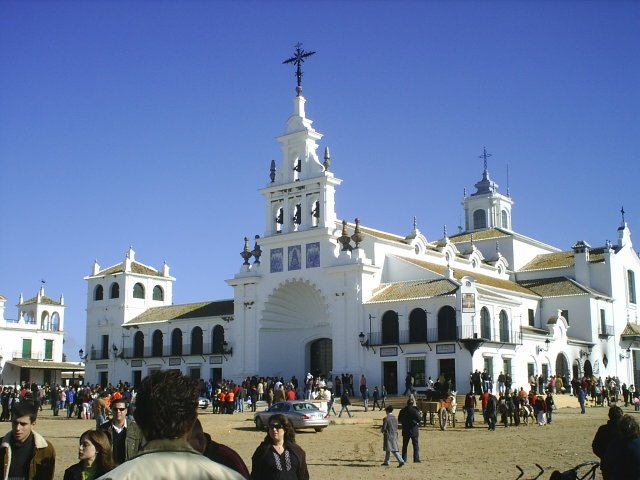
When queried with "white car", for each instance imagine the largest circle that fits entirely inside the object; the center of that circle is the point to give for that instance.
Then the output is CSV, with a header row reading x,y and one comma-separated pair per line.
x,y
204,402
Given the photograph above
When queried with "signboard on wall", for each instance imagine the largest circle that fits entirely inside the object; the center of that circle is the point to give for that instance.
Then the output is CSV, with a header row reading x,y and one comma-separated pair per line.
x,y
389,351
446,349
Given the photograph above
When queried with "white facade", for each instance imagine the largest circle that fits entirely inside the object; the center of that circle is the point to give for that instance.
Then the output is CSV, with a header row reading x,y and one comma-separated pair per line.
x,y
317,294
31,345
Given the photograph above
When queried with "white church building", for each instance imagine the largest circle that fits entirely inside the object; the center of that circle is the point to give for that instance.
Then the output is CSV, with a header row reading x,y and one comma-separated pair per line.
x,y
31,345
318,294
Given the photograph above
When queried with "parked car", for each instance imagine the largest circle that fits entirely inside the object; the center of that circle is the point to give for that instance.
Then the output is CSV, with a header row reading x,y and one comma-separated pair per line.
x,y
204,402
301,414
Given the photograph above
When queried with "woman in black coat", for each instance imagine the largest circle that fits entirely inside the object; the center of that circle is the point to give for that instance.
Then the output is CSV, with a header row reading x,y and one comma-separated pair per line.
x,y
94,453
279,457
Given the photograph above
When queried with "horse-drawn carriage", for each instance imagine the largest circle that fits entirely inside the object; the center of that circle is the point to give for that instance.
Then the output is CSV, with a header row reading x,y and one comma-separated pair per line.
x,y
434,405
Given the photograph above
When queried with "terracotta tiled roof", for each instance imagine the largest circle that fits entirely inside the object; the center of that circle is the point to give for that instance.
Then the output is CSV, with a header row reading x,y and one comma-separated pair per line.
x,y
561,260
184,311
631,330
136,267
480,278
489,233
44,300
414,289
559,287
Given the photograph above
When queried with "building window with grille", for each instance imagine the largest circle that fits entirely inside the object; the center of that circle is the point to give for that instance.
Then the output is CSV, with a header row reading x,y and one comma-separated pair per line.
x,y
138,290
532,317
631,276
479,219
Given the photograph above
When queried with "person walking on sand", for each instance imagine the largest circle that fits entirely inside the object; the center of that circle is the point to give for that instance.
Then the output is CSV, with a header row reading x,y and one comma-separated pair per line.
x,y
390,437
345,401
410,418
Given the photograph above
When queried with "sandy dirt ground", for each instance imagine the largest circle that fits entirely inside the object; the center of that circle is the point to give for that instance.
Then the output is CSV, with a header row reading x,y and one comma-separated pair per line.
x,y
352,448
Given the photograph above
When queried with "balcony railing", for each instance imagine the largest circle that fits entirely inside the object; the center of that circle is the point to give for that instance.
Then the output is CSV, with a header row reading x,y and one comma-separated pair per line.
x,y
404,337
605,330
30,355
166,351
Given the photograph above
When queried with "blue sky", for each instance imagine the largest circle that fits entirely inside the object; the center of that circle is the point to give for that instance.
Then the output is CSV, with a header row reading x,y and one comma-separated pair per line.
x,y
153,124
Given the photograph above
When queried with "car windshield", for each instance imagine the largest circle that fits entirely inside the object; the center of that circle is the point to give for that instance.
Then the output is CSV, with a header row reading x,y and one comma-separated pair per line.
x,y
304,406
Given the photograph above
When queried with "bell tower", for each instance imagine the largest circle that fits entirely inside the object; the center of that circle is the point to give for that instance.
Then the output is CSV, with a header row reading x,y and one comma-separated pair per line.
x,y
301,193
487,208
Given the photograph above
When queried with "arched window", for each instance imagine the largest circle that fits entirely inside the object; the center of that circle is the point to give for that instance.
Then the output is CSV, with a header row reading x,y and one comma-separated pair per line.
x,y
217,339
390,330
156,344
98,293
504,326
485,323
196,341
417,326
55,321
447,324
138,290
114,291
505,219
176,342
158,293
479,219
45,321
138,344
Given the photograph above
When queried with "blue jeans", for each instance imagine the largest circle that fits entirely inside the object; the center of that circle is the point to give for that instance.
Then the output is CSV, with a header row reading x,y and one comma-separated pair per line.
x,y
470,414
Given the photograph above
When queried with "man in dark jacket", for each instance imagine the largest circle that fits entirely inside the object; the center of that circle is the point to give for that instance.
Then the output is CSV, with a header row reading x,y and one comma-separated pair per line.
x,y
607,432
410,418
125,437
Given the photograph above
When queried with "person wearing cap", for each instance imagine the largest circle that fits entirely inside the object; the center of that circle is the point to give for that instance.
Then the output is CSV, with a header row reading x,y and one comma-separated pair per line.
x,y
410,418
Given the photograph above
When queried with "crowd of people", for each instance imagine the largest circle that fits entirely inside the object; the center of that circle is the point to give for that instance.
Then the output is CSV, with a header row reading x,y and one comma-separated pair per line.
x,y
154,432
161,438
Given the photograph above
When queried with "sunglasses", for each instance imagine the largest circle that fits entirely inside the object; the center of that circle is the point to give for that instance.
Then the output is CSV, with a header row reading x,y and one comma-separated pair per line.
x,y
120,409
277,426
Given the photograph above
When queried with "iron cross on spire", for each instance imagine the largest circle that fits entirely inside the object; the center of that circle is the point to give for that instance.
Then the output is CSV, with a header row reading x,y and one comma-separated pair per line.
x,y
297,59
485,155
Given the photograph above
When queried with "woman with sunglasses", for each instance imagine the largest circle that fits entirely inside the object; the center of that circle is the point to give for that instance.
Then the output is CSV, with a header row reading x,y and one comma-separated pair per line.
x,y
94,453
279,457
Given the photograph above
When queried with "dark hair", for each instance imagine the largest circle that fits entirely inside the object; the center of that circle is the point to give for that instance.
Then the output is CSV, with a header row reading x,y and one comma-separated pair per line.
x,y
166,404
628,427
104,457
121,400
25,409
389,409
615,413
289,432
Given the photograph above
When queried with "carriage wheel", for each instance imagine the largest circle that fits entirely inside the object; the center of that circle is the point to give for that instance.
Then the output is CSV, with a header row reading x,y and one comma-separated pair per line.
x,y
442,416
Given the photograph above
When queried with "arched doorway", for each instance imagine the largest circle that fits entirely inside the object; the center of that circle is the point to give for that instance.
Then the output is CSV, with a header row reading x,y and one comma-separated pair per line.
x,y
562,370
447,331
588,369
390,329
321,357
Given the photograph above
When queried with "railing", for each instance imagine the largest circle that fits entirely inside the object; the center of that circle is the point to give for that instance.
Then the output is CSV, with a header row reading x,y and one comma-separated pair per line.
x,y
605,330
30,356
99,355
433,335
166,351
